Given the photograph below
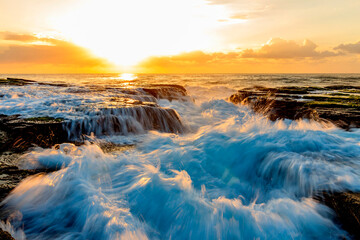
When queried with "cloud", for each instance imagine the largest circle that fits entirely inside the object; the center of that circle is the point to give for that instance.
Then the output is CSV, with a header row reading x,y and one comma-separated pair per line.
x,y
239,16
29,49
190,61
350,48
279,48
243,9
274,49
276,56
17,37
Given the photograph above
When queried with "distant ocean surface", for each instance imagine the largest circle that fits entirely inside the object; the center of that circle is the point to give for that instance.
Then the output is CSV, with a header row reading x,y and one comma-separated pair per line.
x,y
226,173
235,81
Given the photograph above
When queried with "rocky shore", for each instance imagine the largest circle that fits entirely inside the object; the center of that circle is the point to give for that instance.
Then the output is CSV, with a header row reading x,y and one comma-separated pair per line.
x,y
18,134
338,105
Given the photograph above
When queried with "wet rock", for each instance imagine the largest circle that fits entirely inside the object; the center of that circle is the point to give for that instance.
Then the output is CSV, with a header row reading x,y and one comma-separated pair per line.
x,y
336,104
347,208
10,177
109,147
44,119
9,158
169,92
270,105
23,82
132,112
10,174
5,235
122,121
22,133
3,137
15,81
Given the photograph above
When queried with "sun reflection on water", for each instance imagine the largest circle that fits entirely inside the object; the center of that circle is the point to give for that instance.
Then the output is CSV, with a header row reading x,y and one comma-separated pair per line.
x,y
127,76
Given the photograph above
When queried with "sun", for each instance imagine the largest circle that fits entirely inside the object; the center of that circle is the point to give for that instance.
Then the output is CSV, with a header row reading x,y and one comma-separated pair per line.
x,y
127,32
127,76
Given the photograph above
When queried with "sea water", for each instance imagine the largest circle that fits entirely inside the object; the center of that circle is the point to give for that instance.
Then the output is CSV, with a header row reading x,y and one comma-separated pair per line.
x,y
233,174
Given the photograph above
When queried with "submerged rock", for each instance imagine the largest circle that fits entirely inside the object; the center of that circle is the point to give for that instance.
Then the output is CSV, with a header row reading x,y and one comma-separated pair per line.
x,y
347,207
334,103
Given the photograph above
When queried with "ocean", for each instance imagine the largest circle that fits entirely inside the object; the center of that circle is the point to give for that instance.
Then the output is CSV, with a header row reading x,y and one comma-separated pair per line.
x,y
206,169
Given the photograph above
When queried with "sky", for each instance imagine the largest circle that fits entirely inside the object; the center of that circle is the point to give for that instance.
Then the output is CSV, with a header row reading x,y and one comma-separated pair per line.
x,y
180,36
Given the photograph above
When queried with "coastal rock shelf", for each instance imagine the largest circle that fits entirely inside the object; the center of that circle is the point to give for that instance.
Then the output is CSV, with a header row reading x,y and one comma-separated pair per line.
x,y
136,119
169,92
347,208
75,111
20,134
337,104
118,111
80,154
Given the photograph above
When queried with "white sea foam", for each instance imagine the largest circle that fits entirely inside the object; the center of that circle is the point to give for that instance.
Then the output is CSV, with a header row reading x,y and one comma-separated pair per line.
x,y
235,175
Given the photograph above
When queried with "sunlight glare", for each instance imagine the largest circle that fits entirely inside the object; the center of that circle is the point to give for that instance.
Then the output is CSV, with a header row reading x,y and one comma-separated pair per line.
x,y
126,32
128,76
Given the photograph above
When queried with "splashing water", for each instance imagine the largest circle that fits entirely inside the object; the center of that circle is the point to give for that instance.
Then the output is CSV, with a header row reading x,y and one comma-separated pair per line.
x,y
233,175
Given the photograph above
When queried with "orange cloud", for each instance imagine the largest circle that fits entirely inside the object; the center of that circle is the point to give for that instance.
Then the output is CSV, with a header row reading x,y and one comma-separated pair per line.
x,y
18,37
46,55
276,56
279,48
196,61
239,16
350,48
24,53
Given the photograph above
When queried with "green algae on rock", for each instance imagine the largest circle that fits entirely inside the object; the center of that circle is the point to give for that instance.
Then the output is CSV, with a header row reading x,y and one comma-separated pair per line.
x,y
315,103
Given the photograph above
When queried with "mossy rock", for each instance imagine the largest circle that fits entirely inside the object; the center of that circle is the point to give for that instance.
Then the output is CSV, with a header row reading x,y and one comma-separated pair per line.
x,y
351,91
44,119
332,104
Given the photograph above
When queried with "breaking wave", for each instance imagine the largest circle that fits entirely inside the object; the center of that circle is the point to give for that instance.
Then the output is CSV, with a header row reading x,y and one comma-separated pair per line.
x,y
234,175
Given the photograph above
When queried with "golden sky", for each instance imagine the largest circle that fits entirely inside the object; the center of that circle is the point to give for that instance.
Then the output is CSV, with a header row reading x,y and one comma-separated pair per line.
x,y
179,36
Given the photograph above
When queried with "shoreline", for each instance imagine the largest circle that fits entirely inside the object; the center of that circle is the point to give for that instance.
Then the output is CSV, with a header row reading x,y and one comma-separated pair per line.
x,y
280,103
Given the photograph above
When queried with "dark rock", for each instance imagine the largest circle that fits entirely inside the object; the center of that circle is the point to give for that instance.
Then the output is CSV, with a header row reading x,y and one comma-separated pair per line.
x,y
117,115
109,147
22,134
315,103
10,177
122,121
15,81
5,235
170,92
53,84
44,119
273,107
22,82
347,208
